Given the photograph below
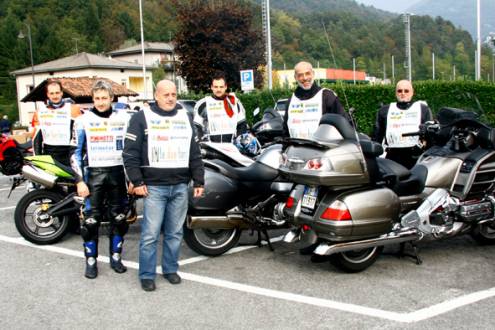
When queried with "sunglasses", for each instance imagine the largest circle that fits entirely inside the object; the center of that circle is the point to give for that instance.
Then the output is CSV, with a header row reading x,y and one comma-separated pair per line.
x,y
405,91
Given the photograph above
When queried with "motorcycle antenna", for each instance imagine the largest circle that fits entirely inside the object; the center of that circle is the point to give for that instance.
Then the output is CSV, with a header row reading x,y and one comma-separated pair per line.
x,y
351,110
334,62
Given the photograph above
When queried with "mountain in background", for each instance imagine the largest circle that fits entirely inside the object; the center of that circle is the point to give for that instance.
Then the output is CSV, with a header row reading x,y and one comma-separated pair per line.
x,y
331,33
298,8
392,6
460,12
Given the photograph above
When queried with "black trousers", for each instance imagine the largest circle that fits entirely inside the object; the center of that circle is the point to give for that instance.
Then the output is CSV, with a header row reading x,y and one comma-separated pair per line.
x,y
107,200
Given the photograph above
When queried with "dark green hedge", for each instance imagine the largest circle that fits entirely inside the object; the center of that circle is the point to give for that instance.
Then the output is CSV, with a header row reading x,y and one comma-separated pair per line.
x,y
367,99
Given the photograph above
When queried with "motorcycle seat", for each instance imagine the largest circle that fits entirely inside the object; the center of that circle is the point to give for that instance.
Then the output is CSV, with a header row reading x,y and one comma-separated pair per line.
x,y
254,172
24,146
402,181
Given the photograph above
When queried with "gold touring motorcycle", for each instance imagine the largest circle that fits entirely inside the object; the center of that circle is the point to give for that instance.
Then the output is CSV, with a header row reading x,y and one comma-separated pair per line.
x,y
350,204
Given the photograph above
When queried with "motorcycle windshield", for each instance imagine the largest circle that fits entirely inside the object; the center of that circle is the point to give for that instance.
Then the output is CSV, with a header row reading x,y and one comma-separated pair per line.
x,y
464,108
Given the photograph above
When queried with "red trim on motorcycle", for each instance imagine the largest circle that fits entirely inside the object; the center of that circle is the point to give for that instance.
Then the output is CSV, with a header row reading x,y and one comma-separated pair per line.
x,y
290,202
305,227
337,211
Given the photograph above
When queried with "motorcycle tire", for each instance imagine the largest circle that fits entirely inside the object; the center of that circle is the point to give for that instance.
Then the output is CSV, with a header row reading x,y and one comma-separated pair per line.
x,y
356,261
484,234
31,227
211,242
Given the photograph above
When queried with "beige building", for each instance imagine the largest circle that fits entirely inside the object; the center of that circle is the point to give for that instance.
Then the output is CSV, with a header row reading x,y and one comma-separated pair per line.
x,y
80,65
155,54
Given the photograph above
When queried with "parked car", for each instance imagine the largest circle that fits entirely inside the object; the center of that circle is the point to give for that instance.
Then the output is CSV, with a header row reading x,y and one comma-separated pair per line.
x,y
188,105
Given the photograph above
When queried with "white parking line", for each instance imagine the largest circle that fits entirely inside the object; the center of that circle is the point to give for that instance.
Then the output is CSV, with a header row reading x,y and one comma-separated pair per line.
x,y
4,189
7,208
416,316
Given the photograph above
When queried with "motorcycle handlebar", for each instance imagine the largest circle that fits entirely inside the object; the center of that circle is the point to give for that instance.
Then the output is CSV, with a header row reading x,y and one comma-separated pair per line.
x,y
411,134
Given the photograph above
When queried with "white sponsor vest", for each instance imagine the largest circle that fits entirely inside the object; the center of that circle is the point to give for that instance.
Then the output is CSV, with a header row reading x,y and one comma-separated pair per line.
x,y
105,138
304,115
219,123
55,125
403,121
169,139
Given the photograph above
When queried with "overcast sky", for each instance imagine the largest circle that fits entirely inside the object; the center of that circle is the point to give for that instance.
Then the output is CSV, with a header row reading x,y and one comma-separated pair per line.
x,y
393,6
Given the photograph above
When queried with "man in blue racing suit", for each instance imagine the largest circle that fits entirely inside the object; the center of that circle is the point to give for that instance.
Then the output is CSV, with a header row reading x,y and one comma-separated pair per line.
x,y
97,160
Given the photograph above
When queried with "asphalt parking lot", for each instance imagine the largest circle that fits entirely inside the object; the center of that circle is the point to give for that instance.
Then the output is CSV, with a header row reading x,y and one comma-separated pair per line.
x,y
42,287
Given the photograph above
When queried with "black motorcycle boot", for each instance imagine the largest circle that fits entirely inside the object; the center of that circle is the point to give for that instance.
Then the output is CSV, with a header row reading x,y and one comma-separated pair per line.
x,y
91,253
91,271
116,242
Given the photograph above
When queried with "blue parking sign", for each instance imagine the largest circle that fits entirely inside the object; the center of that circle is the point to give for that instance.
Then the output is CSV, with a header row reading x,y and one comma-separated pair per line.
x,y
247,80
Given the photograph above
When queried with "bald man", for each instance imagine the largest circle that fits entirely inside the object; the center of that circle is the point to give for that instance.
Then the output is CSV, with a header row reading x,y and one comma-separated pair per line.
x,y
397,118
161,156
308,103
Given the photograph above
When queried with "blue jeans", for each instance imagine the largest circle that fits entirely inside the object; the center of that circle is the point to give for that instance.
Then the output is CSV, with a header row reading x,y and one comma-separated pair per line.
x,y
165,209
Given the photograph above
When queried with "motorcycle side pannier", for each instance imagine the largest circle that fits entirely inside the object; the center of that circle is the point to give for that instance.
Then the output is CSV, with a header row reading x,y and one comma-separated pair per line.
x,y
372,212
221,193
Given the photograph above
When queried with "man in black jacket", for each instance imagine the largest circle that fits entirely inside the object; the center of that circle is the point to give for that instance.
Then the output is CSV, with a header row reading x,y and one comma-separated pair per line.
x,y
397,118
308,103
161,156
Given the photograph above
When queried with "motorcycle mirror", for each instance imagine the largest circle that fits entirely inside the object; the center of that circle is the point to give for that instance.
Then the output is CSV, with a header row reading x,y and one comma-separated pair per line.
x,y
256,112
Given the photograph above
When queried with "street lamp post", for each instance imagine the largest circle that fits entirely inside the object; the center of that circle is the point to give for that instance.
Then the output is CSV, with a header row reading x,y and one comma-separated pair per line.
x,y
21,36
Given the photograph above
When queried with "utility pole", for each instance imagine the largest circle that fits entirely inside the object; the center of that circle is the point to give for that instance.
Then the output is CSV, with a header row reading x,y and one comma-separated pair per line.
x,y
354,70
142,48
433,65
76,40
478,52
393,70
265,13
408,64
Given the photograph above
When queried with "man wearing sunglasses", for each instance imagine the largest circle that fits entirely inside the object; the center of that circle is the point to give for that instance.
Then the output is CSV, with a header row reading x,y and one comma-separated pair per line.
x,y
397,118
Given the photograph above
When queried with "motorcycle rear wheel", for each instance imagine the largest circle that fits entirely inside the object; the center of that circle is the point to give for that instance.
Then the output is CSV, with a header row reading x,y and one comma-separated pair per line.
x,y
211,242
484,234
356,261
29,219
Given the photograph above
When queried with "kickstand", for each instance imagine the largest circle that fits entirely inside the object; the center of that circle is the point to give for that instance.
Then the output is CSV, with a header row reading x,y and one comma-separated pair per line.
x,y
268,240
259,240
414,255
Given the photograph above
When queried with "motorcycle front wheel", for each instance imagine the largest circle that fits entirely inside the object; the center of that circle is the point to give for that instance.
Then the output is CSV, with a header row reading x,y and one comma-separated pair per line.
x,y
357,260
211,242
34,224
484,233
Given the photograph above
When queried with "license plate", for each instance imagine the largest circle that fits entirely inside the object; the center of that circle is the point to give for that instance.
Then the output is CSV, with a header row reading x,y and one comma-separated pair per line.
x,y
309,197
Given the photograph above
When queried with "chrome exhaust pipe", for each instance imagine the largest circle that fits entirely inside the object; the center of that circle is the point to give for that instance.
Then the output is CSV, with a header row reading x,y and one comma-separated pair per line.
x,y
325,249
39,176
216,222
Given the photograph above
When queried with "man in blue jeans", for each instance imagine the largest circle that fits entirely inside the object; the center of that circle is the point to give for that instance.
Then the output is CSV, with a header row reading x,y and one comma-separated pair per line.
x,y
161,156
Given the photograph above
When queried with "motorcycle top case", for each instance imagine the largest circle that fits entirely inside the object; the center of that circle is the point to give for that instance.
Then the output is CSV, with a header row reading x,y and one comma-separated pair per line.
x,y
338,164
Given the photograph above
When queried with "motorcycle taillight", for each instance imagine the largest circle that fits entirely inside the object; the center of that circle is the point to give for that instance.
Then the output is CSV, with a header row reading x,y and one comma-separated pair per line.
x,y
337,211
318,164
